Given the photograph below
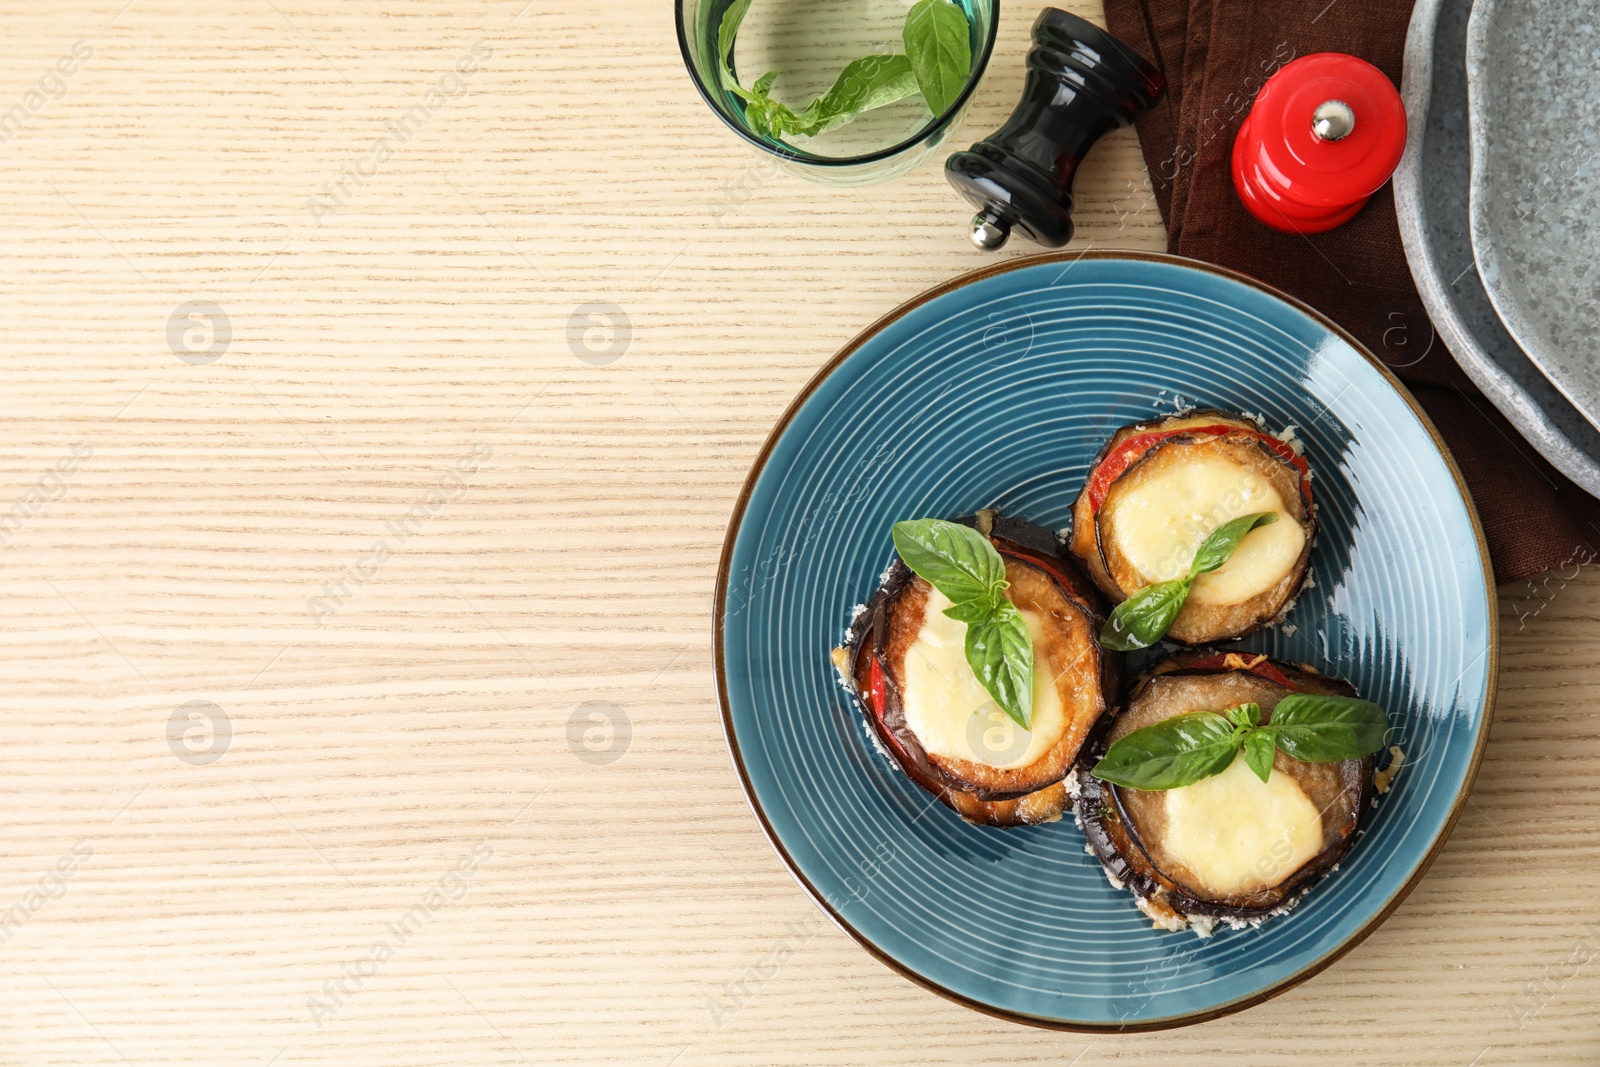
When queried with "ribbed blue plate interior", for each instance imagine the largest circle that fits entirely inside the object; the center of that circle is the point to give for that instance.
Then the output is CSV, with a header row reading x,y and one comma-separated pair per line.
x,y
998,392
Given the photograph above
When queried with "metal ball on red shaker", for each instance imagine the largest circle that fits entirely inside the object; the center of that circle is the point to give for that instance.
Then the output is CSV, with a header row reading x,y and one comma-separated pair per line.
x,y
1325,133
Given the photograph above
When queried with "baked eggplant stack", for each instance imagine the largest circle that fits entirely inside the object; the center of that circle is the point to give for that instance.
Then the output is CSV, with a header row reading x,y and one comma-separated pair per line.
x,y
1251,777
1156,494
992,741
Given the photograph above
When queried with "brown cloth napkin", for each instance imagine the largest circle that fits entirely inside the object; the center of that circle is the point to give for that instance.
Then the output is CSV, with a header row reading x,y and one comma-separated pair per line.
x,y
1216,55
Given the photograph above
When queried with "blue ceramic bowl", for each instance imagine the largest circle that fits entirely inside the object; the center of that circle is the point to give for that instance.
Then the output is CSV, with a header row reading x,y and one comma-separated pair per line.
x,y
997,389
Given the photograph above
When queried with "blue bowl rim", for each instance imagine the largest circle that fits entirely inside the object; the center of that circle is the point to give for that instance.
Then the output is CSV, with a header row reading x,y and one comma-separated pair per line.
x,y
980,66
719,617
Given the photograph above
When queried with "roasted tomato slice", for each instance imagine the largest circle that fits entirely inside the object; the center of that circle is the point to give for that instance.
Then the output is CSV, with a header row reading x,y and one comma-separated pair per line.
x,y
1255,663
1121,456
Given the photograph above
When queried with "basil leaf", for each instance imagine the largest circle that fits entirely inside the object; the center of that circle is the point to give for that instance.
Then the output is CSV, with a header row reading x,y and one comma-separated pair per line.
x,y
1244,714
769,117
970,611
1258,750
1000,653
956,560
939,69
727,30
1140,620
1216,549
1171,753
963,564
1322,729
864,84
763,114
938,42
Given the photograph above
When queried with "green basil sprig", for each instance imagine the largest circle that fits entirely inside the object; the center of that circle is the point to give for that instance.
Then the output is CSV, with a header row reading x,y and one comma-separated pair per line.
x,y
937,63
963,565
1147,615
1186,748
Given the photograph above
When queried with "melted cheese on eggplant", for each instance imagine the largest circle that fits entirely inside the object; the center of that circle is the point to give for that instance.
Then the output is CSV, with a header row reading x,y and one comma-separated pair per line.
x,y
1163,519
951,712
1238,834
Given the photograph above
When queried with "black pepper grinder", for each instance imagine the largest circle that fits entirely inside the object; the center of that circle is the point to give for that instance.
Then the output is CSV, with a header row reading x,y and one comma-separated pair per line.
x,y
1082,83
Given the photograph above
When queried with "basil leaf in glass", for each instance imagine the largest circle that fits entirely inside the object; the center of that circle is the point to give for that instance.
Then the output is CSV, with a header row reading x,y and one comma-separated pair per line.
x,y
1000,652
938,68
769,117
866,83
937,40
727,30
1171,753
1323,729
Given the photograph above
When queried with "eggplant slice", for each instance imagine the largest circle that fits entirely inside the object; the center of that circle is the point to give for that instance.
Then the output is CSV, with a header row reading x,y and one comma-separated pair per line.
x,y
1264,857
1158,489
904,663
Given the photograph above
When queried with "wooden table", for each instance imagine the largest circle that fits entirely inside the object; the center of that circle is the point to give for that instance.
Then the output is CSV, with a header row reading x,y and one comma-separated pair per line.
x,y
314,588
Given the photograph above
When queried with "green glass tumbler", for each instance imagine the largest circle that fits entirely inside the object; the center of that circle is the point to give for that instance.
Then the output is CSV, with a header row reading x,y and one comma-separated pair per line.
x,y
808,42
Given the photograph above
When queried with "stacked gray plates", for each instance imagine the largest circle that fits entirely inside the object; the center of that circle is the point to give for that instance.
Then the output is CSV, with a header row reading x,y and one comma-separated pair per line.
x,y
1496,197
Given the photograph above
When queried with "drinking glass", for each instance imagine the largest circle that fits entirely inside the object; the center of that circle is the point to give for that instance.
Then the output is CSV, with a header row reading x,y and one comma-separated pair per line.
x,y
808,42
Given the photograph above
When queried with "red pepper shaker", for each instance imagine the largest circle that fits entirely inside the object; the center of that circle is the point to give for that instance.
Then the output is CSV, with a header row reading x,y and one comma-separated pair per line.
x,y
1325,133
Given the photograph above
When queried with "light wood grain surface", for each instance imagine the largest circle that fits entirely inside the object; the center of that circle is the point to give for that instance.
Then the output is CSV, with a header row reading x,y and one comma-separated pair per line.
x,y
402,537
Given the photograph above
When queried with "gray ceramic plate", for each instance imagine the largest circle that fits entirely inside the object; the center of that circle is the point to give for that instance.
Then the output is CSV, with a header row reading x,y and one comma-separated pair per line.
x,y
1431,193
1533,89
